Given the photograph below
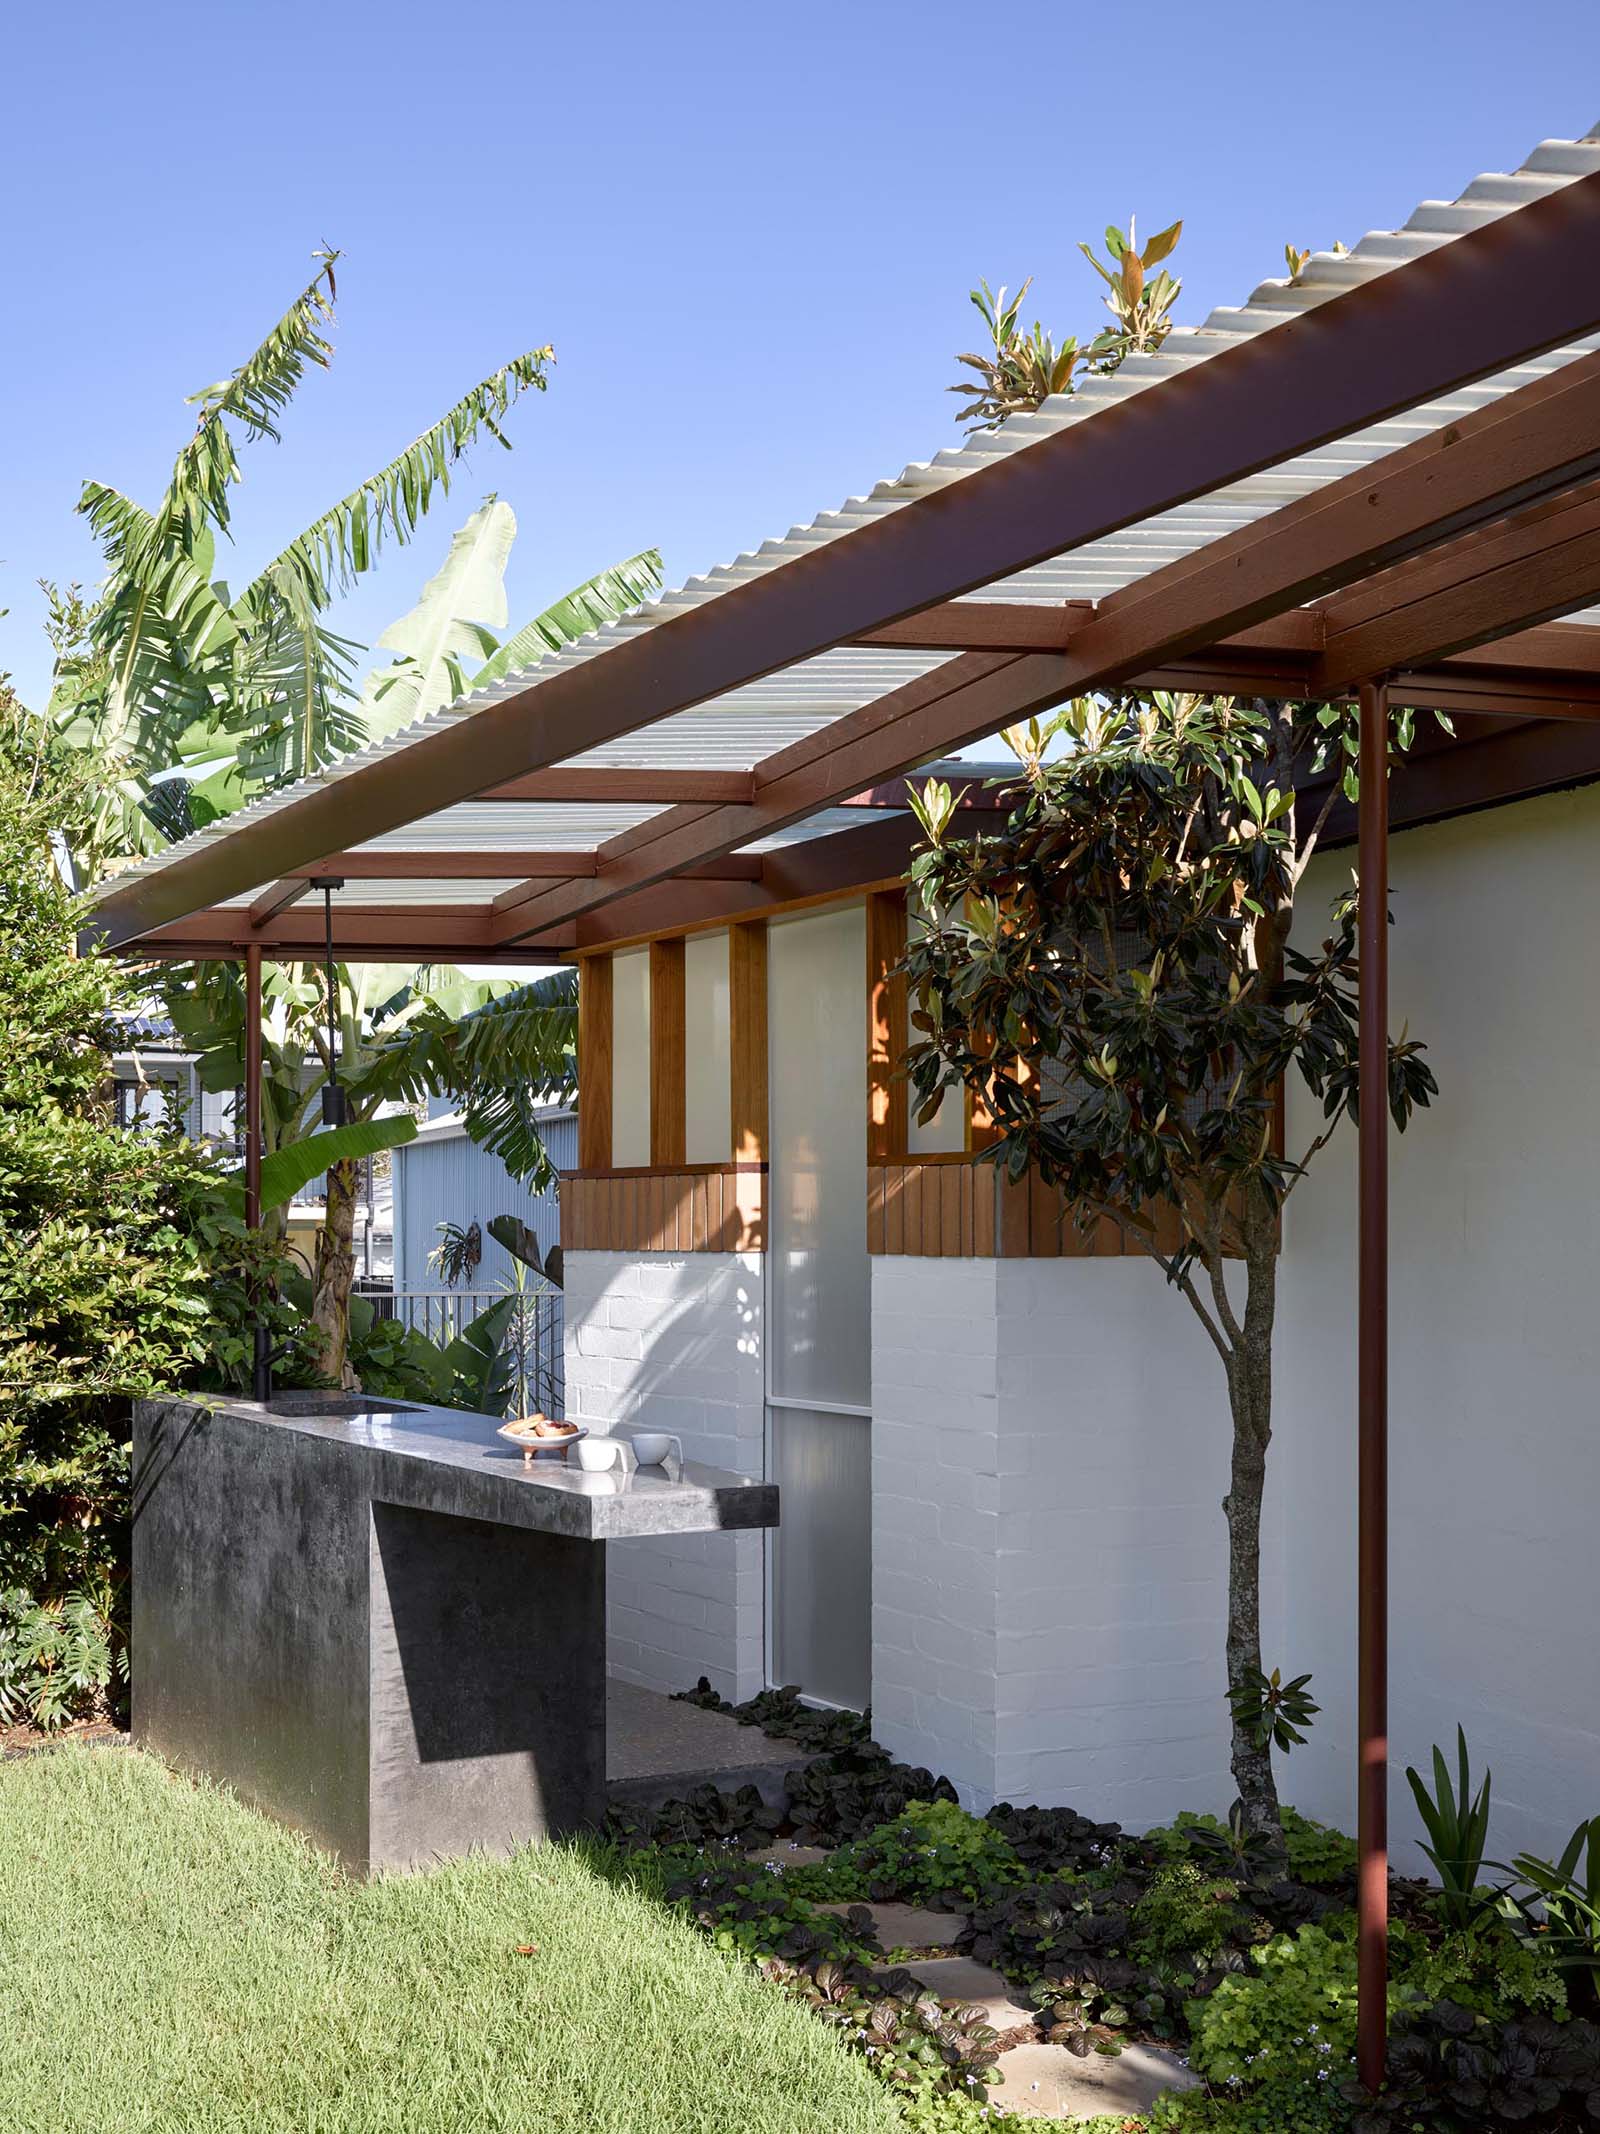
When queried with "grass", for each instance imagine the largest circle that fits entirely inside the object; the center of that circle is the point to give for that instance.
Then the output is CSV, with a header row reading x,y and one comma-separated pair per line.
x,y
171,1963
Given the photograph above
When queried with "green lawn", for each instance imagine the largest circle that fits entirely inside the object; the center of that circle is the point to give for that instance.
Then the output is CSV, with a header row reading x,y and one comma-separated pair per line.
x,y
170,1961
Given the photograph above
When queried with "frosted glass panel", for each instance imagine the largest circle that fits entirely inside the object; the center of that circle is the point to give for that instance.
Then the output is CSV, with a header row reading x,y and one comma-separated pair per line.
x,y
630,1057
708,1115
822,1561
819,1303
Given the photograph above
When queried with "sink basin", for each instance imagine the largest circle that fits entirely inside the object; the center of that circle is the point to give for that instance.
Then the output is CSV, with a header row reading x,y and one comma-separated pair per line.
x,y
311,1402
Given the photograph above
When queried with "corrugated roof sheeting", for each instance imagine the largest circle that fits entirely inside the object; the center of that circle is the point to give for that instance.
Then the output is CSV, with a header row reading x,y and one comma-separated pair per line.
x,y
738,730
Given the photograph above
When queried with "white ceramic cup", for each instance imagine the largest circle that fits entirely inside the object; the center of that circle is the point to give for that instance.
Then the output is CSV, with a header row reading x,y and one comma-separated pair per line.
x,y
595,1455
650,1447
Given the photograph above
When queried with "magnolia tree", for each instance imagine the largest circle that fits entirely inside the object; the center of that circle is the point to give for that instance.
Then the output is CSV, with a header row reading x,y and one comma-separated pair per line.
x,y
1112,975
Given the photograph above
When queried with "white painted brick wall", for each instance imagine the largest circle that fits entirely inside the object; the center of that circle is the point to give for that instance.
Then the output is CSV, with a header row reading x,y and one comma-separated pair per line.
x,y
671,1341
1050,1448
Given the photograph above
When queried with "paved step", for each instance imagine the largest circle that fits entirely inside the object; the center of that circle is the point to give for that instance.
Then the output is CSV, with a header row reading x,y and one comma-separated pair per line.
x,y
659,1748
972,1985
1048,2082
788,1854
911,1926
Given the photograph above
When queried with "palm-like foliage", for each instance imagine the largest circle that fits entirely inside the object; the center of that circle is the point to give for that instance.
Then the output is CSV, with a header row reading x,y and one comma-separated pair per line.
x,y
504,1057
172,666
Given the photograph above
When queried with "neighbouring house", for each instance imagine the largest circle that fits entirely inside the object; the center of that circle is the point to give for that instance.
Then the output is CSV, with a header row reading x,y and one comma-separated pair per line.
x,y
1001,1457
156,1083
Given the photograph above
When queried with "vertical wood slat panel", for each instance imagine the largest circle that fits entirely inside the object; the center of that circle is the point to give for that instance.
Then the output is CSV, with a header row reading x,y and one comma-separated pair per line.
x,y
949,1175
747,1039
894,1212
1044,1207
668,1054
932,1213
594,1063
875,1232
1016,1218
984,1187
888,1028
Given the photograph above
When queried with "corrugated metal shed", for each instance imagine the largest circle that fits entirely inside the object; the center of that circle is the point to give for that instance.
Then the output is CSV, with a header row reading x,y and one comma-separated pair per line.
x,y
444,1177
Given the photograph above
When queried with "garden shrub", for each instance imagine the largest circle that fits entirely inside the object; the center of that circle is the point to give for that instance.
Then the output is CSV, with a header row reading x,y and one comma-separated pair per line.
x,y
1487,1969
934,1853
1451,2072
1185,1917
114,1257
1057,1841
1317,1854
839,1796
779,1712
1292,2018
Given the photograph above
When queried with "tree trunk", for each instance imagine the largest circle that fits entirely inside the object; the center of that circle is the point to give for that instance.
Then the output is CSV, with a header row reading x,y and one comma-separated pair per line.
x,y
1250,1398
335,1272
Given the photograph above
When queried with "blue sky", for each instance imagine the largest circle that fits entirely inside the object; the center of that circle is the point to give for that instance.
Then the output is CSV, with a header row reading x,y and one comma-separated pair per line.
x,y
748,231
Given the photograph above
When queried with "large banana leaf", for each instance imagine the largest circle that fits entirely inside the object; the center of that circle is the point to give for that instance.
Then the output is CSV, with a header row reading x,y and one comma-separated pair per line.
x,y
463,604
286,1170
346,540
484,1374
599,599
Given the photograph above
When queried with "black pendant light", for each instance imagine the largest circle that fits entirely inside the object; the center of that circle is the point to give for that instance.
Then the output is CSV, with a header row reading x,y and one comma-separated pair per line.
x,y
334,1111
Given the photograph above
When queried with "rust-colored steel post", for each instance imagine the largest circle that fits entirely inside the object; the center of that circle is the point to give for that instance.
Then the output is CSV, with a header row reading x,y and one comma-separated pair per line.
x,y
261,1367
1372,1399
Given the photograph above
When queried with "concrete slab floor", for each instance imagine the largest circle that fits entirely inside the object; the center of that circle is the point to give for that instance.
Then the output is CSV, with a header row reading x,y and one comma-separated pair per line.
x,y
651,1737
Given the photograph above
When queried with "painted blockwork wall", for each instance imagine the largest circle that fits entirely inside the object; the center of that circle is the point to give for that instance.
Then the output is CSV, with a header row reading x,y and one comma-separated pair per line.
x,y
1050,1453
673,1342
1050,1437
1495,1349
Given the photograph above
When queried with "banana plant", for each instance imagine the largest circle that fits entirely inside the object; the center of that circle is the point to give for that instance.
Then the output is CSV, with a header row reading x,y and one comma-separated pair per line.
x,y
173,650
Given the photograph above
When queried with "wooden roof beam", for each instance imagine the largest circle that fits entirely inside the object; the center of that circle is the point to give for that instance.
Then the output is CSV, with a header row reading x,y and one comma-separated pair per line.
x,y
1458,478
1526,282
480,864
1533,566
608,787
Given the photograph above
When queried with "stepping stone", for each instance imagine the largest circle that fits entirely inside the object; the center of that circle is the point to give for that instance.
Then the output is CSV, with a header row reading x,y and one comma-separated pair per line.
x,y
1048,2082
910,1926
785,1855
973,1985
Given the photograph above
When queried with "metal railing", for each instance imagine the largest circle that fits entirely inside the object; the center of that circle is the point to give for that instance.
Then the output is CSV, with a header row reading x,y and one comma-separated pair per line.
x,y
534,1338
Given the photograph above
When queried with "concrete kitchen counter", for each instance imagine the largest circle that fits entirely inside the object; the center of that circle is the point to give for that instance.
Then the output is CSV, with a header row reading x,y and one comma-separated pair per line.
x,y
379,1623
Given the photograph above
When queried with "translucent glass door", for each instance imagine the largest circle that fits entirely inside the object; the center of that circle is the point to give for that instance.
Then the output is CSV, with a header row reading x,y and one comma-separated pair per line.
x,y
819,1347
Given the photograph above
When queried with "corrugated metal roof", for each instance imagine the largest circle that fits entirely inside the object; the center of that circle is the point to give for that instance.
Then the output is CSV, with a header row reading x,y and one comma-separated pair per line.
x,y
738,730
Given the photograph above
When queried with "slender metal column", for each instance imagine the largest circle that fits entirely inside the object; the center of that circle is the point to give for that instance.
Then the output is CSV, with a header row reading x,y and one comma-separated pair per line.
x,y
261,1367
1372,1401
